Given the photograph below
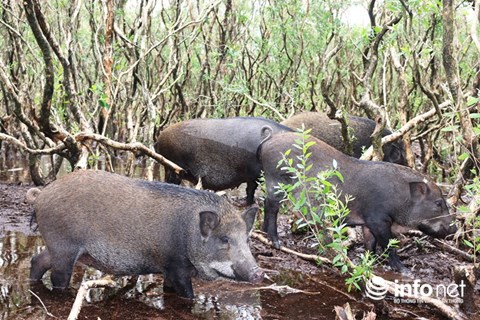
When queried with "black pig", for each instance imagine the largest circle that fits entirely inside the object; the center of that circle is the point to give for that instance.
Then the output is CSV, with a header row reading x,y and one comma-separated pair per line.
x,y
386,196
330,131
129,226
221,152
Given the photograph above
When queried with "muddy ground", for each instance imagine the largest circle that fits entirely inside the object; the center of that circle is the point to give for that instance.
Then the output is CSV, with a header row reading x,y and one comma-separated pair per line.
x,y
320,288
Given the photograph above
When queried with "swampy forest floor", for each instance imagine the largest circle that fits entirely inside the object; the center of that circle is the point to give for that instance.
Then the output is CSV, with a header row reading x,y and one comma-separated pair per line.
x,y
295,288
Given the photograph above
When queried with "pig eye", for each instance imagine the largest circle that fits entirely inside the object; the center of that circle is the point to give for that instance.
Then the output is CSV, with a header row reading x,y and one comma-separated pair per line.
x,y
439,203
224,239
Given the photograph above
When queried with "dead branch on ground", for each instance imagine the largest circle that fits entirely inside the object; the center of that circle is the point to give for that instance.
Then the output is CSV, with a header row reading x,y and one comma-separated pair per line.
x,y
82,292
445,246
304,256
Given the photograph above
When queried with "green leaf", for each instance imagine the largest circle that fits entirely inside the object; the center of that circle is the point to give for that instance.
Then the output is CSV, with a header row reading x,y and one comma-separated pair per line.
x,y
449,129
104,104
309,144
463,156
472,100
468,243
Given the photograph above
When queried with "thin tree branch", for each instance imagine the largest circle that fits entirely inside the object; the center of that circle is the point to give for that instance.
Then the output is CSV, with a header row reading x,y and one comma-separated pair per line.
x,y
367,155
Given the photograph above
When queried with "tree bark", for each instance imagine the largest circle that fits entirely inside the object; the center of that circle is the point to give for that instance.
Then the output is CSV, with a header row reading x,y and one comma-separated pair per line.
x,y
453,77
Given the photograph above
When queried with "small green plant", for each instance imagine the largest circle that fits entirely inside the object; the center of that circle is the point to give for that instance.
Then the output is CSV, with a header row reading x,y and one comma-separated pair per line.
x,y
315,197
323,212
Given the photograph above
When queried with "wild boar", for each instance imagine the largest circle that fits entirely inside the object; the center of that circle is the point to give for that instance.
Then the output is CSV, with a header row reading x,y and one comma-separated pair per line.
x,y
386,196
127,226
330,131
220,152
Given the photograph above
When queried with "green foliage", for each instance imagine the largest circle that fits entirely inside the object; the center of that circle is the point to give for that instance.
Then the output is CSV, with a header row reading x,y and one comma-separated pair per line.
x,y
314,196
98,90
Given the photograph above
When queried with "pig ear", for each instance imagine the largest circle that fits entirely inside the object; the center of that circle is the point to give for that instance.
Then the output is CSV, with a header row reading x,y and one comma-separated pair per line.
x,y
249,216
209,220
419,189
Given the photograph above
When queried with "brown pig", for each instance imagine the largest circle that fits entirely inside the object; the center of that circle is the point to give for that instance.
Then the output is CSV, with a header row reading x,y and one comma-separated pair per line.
x,y
127,226
386,195
330,131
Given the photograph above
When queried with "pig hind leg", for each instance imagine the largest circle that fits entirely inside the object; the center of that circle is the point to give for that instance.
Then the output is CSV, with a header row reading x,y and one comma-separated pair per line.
x,y
62,267
39,265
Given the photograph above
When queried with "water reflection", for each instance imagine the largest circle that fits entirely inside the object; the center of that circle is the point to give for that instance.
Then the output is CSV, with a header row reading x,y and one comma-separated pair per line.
x,y
15,253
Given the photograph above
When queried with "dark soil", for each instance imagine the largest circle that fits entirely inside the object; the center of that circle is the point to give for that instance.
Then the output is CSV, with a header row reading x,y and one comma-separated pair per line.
x,y
322,287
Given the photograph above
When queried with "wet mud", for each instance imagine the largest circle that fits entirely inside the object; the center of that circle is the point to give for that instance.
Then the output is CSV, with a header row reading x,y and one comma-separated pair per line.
x,y
294,289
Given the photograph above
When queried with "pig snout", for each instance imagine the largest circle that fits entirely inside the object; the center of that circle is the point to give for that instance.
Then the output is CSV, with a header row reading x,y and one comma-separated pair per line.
x,y
440,228
253,275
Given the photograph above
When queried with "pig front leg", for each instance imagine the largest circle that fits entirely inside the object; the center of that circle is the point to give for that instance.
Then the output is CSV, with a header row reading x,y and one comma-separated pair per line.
x,y
271,208
178,279
381,231
251,187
